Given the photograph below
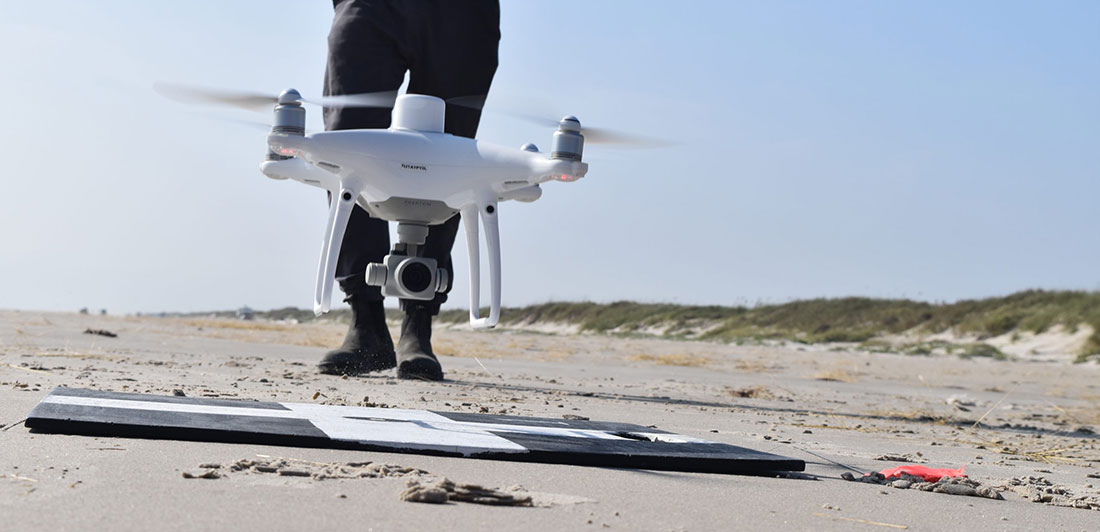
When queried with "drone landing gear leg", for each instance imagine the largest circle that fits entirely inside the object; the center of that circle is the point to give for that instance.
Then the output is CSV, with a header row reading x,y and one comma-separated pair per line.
x,y
487,212
338,213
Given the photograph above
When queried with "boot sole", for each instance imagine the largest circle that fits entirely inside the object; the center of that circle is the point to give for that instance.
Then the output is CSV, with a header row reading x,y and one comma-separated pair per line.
x,y
351,372
353,368
424,370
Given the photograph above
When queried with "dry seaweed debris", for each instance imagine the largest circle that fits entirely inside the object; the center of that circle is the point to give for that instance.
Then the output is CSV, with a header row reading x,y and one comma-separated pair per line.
x,y
751,392
863,521
836,375
1047,455
101,332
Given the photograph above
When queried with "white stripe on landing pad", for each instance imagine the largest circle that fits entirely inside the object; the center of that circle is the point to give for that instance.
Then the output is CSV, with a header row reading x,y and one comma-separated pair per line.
x,y
407,429
152,406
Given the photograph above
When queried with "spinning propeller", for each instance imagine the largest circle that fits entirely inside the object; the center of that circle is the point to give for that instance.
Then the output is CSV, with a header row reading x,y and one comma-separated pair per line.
x,y
593,135
258,101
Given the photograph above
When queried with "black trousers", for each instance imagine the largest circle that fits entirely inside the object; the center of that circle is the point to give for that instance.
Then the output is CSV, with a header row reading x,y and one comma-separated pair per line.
x,y
449,49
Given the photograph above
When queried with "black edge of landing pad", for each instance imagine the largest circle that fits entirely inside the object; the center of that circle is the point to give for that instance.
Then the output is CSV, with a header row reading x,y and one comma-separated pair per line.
x,y
510,438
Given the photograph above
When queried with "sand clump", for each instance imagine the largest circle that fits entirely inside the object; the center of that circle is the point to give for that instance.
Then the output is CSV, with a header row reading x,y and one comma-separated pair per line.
x,y
445,490
421,486
293,467
1032,488
1041,490
949,485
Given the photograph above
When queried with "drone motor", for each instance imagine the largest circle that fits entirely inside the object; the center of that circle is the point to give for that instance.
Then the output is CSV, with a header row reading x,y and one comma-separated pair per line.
x,y
568,142
290,119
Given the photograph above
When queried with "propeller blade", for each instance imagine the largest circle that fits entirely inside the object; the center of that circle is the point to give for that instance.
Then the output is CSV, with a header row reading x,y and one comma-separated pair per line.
x,y
256,101
475,102
534,119
384,99
596,135
252,101
599,135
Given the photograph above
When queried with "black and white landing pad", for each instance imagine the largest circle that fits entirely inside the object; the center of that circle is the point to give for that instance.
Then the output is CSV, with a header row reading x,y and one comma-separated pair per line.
x,y
523,439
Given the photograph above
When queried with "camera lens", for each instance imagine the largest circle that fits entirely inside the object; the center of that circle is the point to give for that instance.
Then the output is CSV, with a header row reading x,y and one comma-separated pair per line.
x,y
416,277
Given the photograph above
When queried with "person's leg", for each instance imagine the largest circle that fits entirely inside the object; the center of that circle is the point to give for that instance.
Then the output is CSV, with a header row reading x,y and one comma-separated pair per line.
x,y
456,56
363,56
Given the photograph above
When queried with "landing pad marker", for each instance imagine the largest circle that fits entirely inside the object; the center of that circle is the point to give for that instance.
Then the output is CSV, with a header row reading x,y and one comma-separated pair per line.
x,y
512,438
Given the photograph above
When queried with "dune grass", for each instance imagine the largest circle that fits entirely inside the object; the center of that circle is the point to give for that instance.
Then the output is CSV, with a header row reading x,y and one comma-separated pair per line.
x,y
850,319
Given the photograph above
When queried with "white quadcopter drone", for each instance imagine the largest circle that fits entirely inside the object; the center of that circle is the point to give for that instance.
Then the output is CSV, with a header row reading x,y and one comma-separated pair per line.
x,y
413,174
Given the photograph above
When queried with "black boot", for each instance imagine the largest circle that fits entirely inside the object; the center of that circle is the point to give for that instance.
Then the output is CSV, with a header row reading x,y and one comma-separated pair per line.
x,y
414,350
368,346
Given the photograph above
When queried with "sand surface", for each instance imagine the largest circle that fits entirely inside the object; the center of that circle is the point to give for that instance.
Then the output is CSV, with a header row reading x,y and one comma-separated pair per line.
x,y
837,410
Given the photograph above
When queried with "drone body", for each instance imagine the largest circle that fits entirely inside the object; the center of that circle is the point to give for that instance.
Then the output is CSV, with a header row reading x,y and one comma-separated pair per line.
x,y
417,176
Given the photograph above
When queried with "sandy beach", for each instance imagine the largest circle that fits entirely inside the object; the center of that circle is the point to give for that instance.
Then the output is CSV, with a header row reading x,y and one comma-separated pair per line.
x,y
1028,429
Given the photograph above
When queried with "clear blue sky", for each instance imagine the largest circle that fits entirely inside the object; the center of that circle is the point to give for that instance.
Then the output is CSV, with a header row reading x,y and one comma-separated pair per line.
x,y
933,150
